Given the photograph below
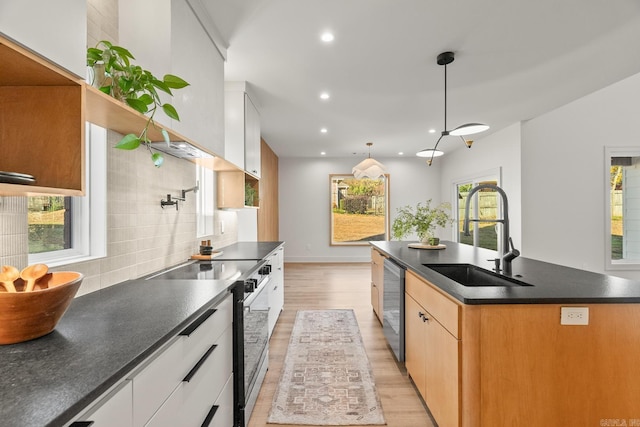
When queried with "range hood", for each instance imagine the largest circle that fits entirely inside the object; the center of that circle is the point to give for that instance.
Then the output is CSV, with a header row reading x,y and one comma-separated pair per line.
x,y
182,150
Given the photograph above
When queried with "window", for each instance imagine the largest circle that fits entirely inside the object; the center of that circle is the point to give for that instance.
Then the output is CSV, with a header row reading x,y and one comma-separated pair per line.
x,y
359,209
71,229
485,205
205,201
622,201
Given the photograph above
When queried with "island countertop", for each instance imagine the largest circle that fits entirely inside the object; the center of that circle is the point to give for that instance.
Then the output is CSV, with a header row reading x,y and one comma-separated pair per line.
x,y
550,283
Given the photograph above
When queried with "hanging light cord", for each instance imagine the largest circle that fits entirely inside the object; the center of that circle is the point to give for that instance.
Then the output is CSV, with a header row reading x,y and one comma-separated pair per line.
x,y
445,132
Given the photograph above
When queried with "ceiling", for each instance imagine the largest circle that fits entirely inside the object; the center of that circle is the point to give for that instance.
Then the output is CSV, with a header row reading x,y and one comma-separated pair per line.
x,y
515,60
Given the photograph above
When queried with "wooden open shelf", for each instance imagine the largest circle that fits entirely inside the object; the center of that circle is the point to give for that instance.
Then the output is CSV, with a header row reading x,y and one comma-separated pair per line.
x,y
43,109
41,123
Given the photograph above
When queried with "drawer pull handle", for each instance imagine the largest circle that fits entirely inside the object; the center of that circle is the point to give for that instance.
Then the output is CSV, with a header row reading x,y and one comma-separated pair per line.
x,y
198,365
196,323
82,424
423,316
209,416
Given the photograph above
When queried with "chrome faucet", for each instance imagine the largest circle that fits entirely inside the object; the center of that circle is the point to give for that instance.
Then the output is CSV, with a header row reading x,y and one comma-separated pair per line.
x,y
507,242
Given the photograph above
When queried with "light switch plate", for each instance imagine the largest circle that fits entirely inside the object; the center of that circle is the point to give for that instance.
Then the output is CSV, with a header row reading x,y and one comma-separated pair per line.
x,y
574,315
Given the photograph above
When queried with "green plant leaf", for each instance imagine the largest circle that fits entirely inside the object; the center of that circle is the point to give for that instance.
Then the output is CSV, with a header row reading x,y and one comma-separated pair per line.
x,y
93,55
165,135
174,82
106,89
170,111
146,98
137,105
158,159
129,142
161,85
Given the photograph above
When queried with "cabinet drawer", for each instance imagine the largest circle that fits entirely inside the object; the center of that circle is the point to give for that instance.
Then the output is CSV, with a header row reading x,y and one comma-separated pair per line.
x,y
198,340
191,401
153,383
114,409
442,308
223,416
207,384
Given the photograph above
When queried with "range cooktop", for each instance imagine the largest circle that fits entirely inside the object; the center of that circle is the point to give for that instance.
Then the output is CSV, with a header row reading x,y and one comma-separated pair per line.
x,y
208,270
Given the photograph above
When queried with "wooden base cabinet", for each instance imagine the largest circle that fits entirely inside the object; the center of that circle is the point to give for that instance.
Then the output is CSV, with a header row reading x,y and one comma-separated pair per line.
x,y
517,365
377,282
431,350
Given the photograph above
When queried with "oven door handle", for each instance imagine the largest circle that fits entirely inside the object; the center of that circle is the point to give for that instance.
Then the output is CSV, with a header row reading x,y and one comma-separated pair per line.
x,y
253,295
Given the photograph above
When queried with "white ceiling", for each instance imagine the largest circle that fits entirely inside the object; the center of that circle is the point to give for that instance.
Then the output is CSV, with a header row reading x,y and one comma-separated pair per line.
x,y
515,59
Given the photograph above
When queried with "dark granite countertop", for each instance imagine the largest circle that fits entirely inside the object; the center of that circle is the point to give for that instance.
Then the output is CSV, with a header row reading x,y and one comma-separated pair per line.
x,y
248,250
102,337
551,283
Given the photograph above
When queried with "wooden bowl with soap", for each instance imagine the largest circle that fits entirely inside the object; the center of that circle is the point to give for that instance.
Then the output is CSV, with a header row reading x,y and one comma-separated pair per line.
x,y
28,315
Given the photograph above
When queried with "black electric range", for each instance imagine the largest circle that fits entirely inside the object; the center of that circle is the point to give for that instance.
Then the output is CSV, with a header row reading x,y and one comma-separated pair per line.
x,y
211,270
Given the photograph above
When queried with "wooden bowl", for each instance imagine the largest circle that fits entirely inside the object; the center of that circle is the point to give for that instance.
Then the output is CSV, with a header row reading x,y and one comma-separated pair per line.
x,y
28,315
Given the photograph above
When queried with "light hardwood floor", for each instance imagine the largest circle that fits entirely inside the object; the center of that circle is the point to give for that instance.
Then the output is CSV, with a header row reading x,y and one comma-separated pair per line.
x,y
326,286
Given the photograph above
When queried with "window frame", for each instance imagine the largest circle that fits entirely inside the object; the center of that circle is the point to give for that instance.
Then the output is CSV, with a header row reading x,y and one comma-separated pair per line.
x,y
205,201
494,174
387,227
88,213
611,264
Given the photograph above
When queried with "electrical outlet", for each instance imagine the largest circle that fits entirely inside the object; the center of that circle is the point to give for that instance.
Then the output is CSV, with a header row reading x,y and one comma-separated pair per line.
x,y
574,315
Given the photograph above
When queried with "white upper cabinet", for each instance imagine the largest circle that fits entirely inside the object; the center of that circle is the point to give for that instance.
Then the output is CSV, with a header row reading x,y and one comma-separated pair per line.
x,y
195,58
242,128
179,44
56,30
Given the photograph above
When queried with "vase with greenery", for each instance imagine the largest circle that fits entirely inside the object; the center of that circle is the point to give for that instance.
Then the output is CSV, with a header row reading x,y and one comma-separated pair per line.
x,y
115,74
422,220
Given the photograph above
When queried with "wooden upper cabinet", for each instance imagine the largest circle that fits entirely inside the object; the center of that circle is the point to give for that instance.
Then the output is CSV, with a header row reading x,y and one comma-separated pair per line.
x,y
42,123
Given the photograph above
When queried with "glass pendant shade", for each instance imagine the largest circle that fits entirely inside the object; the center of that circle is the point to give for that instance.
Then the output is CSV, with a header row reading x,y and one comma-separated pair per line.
x,y
469,129
429,152
369,168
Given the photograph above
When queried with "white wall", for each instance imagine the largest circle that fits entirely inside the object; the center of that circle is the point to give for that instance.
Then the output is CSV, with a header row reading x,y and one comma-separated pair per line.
x,y
500,150
563,176
305,202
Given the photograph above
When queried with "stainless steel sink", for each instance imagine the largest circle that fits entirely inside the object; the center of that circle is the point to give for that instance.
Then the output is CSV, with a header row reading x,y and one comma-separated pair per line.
x,y
471,275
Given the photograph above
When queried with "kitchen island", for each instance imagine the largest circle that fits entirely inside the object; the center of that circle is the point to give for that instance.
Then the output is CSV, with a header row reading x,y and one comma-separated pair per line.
x,y
503,355
104,338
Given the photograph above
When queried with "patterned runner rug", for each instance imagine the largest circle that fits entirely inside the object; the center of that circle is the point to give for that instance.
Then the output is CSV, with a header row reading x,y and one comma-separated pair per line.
x,y
326,377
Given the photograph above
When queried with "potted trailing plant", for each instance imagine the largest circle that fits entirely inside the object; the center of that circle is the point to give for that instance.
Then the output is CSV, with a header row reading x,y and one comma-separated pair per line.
x,y
249,194
422,220
115,75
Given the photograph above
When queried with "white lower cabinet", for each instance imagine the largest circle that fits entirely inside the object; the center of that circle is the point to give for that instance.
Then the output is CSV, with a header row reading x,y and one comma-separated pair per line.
x,y
114,409
192,400
276,287
180,384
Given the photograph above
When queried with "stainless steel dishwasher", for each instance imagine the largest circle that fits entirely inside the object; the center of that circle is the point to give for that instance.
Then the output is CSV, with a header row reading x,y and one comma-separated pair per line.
x,y
393,307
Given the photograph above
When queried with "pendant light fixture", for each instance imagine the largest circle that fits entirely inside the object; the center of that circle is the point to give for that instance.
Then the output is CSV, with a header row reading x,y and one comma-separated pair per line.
x,y
446,58
369,168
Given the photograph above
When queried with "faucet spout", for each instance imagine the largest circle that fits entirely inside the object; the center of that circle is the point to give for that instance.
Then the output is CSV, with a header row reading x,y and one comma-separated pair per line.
x,y
507,242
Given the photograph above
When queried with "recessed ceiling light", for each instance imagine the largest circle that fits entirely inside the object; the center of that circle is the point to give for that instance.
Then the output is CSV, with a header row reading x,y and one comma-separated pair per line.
x,y
323,130
322,153
432,131
324,95
400,153
327,37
